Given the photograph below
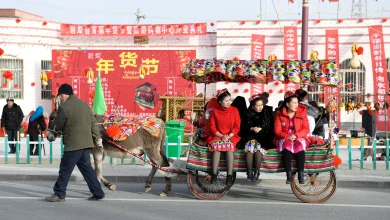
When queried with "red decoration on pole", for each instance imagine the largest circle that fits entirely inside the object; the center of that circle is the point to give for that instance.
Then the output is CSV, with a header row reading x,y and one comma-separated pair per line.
x,y
258,22
384,20
318,21
299,21
44,23
275,21
242,22
341,20
33,84
18,20
212,24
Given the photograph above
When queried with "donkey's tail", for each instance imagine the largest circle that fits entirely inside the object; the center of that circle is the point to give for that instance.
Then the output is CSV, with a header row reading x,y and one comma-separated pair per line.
x,y
162,145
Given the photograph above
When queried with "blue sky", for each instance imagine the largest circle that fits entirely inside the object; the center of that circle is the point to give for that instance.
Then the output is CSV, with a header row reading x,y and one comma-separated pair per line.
x,y
180,11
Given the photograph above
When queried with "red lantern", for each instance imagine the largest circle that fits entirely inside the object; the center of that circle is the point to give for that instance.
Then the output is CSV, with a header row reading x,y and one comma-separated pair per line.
x,y
275,21
236,91
276,83
320,96
44,23
16,86
246,90
1,52
212,24
318,21
340,20
337,160
299,21
123,26
89,25
349,85
384,19
281,91
180,26
8,75
361,20
258,22
49,75
4,85
33,84
242,22
18,20
270,91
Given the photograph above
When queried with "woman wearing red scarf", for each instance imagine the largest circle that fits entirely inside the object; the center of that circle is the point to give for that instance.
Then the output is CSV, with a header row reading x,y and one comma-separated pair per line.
x,y
224,125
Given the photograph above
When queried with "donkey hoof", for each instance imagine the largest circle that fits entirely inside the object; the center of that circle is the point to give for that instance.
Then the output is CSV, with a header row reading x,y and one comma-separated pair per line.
x,y
147,189
163,194
112,187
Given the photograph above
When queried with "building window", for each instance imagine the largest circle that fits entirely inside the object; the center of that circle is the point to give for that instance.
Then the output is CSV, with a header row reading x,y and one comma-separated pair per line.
x,y
353,82
46,90
14,87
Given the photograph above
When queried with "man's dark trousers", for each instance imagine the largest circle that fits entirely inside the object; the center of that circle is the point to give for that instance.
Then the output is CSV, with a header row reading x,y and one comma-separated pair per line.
x,y
12,136
81,158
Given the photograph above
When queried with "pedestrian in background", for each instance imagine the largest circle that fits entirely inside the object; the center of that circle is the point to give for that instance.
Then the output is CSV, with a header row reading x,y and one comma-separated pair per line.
x,y
11,120
36,126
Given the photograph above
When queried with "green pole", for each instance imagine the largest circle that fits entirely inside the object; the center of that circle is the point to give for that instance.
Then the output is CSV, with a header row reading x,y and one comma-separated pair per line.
x,y
361,153
374,156
387,153
6,148
337,147
145,159
110,160
51,152
133,161
122,161
62,146
166,147
349,154
28,148
39,149
178,146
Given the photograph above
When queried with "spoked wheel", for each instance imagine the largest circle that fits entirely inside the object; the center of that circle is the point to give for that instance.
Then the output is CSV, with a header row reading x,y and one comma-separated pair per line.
x,y
199,184
318,187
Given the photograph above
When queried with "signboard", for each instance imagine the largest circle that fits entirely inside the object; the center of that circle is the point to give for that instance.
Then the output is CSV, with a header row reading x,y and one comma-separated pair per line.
x,y
257,53
132,80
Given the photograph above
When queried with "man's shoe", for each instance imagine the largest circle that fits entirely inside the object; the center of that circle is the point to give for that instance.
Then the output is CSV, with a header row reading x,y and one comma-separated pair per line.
x,y
54,198
11,152
95,198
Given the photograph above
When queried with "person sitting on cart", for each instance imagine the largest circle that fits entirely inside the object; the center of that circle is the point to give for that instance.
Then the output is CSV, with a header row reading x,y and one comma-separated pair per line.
x,y
259,136
224,125
291,128
240,103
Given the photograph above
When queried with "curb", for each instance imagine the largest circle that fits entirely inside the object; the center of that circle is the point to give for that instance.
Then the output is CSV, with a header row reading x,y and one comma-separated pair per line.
x,y
160,179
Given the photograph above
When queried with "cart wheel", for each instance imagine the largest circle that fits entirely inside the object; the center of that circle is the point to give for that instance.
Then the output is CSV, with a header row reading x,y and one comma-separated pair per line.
x,y
198,183
318,187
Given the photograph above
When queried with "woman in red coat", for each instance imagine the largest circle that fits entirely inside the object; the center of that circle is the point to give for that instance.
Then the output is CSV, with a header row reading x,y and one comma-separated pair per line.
x,y
291,128
224,125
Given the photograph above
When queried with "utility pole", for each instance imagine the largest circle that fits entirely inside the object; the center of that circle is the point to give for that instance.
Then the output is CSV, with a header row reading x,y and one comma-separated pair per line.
x,y
305,30
139,16
359,9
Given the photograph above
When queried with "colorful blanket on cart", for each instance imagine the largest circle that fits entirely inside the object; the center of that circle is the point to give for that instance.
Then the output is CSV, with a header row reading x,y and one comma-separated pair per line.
x,y
317,160
129,125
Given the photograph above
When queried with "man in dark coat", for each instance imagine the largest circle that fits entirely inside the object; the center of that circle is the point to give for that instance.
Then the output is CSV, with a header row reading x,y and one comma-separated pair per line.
x,y
11,120
79,129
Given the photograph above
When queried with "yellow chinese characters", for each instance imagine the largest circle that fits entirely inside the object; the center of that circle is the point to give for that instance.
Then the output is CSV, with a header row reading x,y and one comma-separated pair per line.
x,y
105,65
150,66
128,59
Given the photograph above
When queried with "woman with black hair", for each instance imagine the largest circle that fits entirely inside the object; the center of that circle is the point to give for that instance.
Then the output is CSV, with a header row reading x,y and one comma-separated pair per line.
x,y
312,112
224,127
258,136
291,128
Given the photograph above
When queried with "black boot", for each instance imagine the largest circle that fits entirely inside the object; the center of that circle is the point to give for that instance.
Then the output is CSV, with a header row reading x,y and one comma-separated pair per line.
x,y
256,176
301,177
249,175
213,179
229,181
288,174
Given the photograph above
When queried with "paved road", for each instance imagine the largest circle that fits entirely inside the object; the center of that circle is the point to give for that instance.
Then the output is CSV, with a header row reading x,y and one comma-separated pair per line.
x,y
19,200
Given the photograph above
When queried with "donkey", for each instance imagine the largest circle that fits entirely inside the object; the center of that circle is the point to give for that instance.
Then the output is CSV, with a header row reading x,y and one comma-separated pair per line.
x,y
139,143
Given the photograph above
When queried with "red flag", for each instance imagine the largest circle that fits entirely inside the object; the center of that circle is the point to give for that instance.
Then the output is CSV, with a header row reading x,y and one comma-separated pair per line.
x,y
291,1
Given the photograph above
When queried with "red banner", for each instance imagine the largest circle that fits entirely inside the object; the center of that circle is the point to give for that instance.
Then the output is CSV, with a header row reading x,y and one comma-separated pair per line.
x,y
257,53
379,71
332,53
132,81
133,30
290,51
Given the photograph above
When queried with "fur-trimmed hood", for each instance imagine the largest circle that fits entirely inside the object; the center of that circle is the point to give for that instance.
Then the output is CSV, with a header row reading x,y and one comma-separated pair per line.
x,y
310,110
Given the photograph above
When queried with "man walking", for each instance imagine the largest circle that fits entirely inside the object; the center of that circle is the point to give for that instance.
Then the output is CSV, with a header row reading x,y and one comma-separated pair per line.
x,y
11,120
79,129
